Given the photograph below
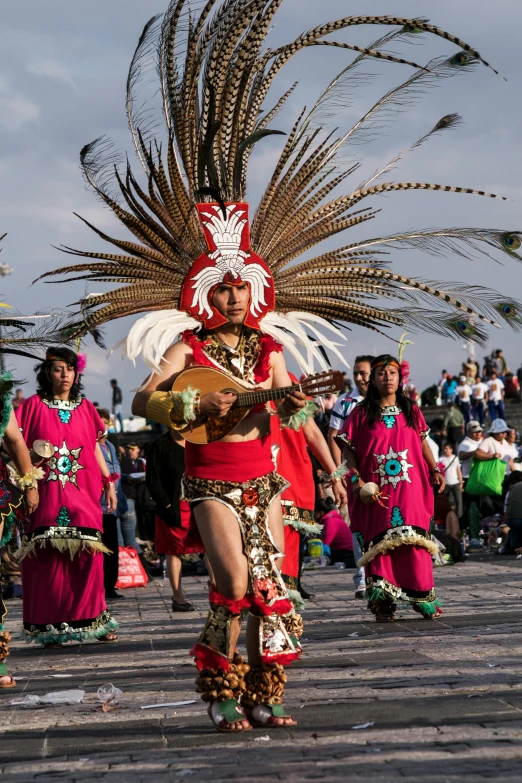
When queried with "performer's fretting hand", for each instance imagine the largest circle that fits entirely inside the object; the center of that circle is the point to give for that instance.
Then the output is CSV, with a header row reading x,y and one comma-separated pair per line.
x,y
216,405
294,402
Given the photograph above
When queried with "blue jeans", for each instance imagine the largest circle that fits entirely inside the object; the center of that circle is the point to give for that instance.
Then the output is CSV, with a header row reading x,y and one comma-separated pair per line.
x,y
465,410
496,410
479,412
127,528
359,578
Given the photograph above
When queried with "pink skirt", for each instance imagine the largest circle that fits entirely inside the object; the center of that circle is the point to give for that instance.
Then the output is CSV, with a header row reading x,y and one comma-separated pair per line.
x,y
408,569
64,599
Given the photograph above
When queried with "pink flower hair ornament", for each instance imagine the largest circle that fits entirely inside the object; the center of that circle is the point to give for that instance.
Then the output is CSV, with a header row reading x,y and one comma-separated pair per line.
x,y
81,364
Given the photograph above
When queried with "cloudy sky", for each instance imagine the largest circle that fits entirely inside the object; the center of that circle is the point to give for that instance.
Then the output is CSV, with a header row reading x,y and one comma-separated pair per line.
x,y
62,75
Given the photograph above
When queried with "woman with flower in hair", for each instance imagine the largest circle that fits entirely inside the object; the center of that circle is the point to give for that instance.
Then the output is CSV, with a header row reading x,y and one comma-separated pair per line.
x,y
391,473
62,549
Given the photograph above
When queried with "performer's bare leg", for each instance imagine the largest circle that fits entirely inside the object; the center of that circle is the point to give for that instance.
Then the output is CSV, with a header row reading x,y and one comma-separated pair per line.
x,y
221,536
174,577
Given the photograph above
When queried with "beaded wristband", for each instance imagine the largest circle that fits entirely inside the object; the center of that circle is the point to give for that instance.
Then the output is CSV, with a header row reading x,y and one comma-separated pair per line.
x,y
337,475
29,480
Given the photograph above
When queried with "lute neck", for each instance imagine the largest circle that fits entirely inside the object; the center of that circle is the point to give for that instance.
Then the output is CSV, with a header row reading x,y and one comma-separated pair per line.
x,y
258,396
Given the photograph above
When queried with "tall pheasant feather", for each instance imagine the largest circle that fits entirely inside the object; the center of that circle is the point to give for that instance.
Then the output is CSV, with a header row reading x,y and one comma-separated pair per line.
x,y
216,73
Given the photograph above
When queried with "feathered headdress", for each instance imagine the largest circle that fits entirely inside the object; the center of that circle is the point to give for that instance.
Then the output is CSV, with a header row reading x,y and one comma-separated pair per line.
x,y
190,224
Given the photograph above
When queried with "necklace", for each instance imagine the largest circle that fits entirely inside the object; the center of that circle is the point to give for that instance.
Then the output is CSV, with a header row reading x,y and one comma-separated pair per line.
x,y
232,358
64,408
388,414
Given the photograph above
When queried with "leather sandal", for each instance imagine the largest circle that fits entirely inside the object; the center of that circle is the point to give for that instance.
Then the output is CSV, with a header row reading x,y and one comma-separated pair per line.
x,y
266,715
6,681
224,714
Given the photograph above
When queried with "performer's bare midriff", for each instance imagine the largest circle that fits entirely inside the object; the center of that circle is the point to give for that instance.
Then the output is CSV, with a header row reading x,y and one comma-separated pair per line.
x,y
216,523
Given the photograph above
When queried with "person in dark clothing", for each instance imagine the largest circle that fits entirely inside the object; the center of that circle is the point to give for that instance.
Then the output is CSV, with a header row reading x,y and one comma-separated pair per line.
x,y
175,535
110,521
132,484
117,400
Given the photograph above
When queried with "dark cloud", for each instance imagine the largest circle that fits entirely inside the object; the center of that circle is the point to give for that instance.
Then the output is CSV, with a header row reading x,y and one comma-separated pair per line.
x,y
63,69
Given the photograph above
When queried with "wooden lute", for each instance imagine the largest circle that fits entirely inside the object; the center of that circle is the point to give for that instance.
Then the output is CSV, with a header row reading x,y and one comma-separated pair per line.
x,y
208,379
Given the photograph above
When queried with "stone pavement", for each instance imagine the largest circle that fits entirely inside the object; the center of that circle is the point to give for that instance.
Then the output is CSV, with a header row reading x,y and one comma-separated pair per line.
x,y
416,701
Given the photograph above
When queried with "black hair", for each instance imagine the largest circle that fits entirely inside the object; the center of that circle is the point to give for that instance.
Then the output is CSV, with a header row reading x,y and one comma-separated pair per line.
x,y
363,358
103,413
371,404
113,380
44,387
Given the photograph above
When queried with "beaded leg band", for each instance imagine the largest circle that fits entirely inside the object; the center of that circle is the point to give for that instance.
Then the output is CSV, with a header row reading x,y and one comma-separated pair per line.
x,y
294,627
220,684
213,649
5,638
265,684
276,644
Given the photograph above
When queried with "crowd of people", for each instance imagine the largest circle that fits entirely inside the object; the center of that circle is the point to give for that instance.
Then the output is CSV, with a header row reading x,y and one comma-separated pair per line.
x,y
373,435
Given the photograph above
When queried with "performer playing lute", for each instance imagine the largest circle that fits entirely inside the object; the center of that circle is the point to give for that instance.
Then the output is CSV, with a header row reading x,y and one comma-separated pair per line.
x,y
194,264
238,473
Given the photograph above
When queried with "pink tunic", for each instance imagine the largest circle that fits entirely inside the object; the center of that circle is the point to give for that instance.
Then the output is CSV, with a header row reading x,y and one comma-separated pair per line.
x,y
62,567
395,538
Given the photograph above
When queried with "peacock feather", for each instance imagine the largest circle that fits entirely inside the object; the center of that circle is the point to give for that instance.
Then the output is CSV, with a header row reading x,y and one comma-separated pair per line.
x,y
216,71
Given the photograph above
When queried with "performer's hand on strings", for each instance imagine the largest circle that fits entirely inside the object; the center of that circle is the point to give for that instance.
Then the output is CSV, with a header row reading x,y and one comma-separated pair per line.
x,y
216,405
294,401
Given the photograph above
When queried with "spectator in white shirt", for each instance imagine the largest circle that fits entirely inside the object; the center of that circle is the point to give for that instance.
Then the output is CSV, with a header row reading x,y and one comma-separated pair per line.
x,y
496,397
469,446
453,476
511,438
495,446
466,451
479,399
463,392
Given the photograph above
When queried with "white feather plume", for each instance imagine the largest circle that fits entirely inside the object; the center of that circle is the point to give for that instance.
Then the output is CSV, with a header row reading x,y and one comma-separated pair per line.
x,y
290,330
154,333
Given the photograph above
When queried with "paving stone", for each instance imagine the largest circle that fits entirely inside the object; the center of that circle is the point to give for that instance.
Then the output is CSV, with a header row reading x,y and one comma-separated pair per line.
x,y
435,710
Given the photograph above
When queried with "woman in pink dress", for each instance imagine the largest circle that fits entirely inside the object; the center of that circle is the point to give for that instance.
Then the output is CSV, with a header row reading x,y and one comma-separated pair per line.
x,y
384,442
62,565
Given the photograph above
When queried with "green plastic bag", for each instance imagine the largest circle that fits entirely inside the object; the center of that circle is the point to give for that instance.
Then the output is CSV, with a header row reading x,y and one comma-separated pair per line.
x,y
485,478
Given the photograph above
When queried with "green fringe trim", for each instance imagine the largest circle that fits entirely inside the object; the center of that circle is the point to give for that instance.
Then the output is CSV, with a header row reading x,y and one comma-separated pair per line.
x,y
340,473
297,600
8,529
376,594
429,607
188,398
307,528
47,637
296,421
6,387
